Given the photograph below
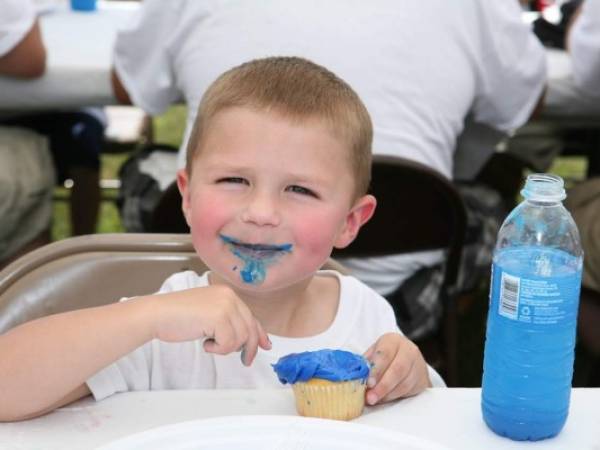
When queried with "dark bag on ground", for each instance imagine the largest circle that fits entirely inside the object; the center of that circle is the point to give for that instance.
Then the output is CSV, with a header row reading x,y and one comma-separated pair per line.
x,y
553,35
148,199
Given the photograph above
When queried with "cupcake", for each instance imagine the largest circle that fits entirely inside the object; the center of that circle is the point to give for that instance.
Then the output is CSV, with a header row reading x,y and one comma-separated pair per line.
x,y
327,383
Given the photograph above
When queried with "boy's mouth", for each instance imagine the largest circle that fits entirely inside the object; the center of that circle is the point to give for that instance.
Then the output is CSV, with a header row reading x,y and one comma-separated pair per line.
x,y
256,257
257,250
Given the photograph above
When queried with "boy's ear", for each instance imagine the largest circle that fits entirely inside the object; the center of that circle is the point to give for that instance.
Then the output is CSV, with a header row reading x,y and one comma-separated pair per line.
x,y
359,214
183,183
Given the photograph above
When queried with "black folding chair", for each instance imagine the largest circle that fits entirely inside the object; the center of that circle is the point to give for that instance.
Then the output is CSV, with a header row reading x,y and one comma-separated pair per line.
x,y
418,209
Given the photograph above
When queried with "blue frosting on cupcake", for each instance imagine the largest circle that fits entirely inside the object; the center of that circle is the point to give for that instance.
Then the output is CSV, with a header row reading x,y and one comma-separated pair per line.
x,y
332,365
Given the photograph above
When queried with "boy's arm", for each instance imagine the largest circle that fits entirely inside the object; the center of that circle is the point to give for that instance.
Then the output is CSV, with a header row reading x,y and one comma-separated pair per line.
x,y
45,363
76,394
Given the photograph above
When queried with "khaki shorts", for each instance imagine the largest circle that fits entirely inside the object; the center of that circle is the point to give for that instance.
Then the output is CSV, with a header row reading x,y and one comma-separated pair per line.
x,y
583,201
27,179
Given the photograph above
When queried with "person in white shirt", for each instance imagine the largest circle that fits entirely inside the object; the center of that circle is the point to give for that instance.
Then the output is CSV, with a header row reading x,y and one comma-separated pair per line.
x,y
276,175
420,66
583,44
75,138
26,169
583,200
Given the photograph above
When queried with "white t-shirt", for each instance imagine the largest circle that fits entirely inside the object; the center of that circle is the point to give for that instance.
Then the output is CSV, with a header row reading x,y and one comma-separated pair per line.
x,y
420,66
16,19
362,317
584,46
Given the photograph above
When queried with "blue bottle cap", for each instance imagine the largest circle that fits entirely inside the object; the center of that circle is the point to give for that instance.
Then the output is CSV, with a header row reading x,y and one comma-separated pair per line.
x,y
544,187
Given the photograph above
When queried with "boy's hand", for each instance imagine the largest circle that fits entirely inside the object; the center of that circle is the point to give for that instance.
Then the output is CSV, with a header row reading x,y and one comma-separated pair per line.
x,y
398,369
215,313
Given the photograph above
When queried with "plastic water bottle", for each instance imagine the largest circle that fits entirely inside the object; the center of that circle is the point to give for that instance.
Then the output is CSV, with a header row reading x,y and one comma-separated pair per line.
x,y
532,318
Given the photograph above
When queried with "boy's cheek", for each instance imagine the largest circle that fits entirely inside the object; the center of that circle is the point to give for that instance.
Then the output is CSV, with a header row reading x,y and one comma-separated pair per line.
x,y
316,235
208,214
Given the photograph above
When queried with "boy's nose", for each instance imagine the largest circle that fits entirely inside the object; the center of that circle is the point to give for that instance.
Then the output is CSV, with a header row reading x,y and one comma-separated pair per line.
x,y
262,210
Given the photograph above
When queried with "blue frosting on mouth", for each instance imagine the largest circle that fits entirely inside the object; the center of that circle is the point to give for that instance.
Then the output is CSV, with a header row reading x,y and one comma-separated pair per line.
x,y
256,257
332,365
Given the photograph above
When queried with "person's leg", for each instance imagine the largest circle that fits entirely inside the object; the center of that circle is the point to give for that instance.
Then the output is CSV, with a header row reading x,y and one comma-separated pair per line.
x,y
39,241
85,142
84,200
588,321
583,202
27,181
76,141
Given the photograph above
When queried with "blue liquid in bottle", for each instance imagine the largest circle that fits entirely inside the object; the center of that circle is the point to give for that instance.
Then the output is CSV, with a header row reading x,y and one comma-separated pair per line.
x,y
534,297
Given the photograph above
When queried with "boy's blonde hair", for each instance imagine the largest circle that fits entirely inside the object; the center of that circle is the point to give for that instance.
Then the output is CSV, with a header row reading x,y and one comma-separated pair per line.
x,y
299,90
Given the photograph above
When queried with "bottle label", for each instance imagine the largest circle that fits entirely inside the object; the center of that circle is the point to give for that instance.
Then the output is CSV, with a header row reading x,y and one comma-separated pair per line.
x,y
538,300
509,296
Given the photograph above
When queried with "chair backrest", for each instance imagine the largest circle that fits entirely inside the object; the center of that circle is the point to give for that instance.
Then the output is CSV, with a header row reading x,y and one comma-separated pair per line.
x,y
93,270
417,209
90,271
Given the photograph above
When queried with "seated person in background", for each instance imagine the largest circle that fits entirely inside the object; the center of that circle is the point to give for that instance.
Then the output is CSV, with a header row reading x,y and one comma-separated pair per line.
x,y
583,44
76,141
584,199
583,202
277,168
26,170
75,138
420,67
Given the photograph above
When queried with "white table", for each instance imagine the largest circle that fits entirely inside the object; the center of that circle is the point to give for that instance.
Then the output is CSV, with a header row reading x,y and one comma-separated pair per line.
x,y
564,102
79,58
80,44
450,417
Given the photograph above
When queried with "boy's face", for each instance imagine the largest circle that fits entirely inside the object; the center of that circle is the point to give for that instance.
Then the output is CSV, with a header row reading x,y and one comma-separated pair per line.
x,y
268,199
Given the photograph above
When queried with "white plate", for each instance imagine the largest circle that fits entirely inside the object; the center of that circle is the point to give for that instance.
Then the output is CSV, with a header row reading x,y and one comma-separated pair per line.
x,y
269,433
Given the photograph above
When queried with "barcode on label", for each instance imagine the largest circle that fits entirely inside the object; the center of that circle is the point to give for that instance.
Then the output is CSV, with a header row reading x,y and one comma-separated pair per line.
x,y
509,296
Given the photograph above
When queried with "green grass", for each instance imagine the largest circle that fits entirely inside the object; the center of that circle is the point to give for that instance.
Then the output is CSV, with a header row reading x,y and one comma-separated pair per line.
x,y
169,128
571,168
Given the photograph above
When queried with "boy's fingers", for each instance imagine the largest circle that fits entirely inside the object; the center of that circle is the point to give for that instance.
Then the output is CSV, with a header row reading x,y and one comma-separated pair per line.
x,y
378,369
380,355
369,353
263,338
383,377
252,341
396,382
241,333
224,341
258,338
250,347
406,374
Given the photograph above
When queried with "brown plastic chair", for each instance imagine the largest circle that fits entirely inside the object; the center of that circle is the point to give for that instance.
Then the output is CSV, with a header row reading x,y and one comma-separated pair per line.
x,y
93,270
418,209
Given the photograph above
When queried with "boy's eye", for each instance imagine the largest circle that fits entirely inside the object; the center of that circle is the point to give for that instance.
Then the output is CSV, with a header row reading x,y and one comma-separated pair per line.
x,y
301,190
233,180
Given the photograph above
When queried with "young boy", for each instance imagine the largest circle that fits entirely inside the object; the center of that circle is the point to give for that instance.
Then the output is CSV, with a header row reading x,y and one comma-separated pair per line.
x,y
277,169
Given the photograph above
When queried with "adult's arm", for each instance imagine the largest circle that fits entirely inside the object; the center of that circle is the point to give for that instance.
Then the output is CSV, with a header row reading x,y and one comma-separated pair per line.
x,y
119,90
148,81
583,44
537,110
512,71
28,58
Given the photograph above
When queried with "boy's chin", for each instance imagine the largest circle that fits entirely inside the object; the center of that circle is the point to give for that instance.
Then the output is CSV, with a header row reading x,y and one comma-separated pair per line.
x,y
271,282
